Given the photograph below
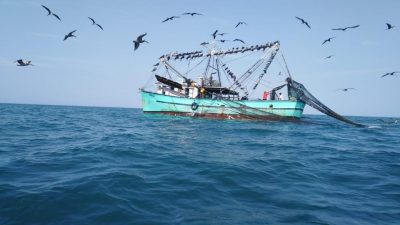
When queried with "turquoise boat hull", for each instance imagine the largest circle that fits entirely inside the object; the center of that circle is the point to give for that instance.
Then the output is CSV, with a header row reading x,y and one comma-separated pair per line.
x,y
219,108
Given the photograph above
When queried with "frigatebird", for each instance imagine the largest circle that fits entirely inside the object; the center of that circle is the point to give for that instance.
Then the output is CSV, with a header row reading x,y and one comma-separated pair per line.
x,y
345,89
169,18
240,23
214,34
139,40
389,26
94,23
51,13
192,14
303,21
237,39
22,63
345,28
389,74
328,57
328,40
70,34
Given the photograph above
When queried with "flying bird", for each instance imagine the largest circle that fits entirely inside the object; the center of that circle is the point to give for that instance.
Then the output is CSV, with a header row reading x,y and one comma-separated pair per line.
x,y
169,18
48,10
22,63
222,40
345,89
94,23
192,14
345,28
389,74
204,43
214,34
139,40
328,57
222,34
389,26
328,40
240,23
51,13
239,40
70,34
303,21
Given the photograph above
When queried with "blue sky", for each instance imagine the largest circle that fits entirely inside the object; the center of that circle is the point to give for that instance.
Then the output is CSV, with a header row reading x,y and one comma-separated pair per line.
x,y
100,68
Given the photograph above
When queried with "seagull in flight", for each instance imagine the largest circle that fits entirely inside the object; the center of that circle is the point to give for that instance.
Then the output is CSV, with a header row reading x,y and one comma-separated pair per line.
x,y
240,23
169,18
192,14
345,28
328,40
22,63
389,26
70,34
345,89
303,21
139,40
328,57
51,13
237,39
389,74
94,23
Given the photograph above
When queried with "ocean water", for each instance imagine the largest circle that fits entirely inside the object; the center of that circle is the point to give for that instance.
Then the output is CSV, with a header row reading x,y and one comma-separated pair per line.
x,y
86,165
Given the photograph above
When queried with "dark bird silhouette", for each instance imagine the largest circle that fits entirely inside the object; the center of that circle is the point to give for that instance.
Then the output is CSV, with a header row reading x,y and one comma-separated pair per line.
x,y
222,34
94,23
56,16
139,40
240,23
345,28
99,26
70,34
204,43
328,40
169,18
389,74
192,14
51,13
345,89
239,40
303,21
214,34
22,63
389,26
156,64
328,57
48,10
222,40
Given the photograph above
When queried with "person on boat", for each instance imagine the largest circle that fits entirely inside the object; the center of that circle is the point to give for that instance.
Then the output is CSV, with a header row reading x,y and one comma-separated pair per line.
x,y
280,97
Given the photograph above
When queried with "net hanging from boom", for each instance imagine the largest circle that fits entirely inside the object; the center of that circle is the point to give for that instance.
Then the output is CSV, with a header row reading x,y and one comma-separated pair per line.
x,y
300,92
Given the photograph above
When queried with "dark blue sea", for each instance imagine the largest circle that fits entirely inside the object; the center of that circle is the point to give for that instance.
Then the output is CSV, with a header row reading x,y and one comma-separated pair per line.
x,y
87,165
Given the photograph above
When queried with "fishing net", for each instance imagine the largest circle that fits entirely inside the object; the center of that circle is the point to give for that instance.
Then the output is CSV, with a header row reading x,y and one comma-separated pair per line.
x,y
298,91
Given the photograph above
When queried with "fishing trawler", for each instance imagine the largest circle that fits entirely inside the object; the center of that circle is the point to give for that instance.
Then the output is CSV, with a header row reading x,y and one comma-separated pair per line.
x,y
205,85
